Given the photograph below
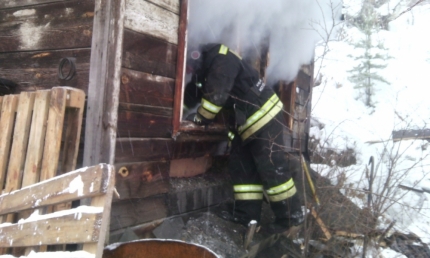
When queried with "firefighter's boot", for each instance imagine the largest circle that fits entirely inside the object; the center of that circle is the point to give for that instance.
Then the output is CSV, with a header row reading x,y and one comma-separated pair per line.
x,y
288,213
242,212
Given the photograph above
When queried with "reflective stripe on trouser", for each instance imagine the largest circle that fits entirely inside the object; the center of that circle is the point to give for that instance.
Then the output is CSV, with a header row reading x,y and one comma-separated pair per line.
x,y
261,117
282,192
262,161
248,192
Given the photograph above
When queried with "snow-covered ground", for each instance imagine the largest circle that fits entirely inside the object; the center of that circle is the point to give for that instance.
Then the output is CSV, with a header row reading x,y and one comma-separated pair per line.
x,y
401,104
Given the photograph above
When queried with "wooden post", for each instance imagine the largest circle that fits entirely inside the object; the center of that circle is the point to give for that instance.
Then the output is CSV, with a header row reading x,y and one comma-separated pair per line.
x,y
104,82
180,67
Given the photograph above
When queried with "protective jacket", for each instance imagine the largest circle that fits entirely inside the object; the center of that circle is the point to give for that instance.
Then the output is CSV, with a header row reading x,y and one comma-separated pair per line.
x,y
228,81
257,160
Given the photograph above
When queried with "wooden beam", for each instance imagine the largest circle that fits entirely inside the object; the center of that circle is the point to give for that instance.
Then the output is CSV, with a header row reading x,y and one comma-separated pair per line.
x,y
321,223
180,67
92,182
37,70
7,120
54,132
33,160
54,25
148,18
84,225
104,83
411,134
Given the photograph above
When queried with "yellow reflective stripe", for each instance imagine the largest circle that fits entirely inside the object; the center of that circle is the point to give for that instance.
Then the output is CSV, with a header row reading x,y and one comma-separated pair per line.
x,y
263,121
281,188
248,188
260,113
283,196
210,106
223,50
231,136
248,196
236,54
206,114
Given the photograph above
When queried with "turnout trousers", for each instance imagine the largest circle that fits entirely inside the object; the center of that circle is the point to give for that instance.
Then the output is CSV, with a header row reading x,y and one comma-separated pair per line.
x,y
261,165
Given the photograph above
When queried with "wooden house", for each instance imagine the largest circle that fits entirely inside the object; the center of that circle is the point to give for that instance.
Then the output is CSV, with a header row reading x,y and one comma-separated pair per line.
x,y
128,57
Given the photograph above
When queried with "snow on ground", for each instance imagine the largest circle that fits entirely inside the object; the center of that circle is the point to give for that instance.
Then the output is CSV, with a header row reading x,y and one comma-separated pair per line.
x,y
403,104
76,254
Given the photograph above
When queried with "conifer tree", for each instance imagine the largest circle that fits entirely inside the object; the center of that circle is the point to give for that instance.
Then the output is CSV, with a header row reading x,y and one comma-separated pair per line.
x,y
371,58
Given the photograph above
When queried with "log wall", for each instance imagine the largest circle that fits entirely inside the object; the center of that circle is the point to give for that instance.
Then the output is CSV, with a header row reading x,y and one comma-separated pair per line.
x,y
36,34
144,145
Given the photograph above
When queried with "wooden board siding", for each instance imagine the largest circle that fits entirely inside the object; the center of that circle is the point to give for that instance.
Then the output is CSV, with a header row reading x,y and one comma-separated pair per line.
x,y
156,149
56,25
38,70
104,82
151,19
142,179
146,89
137,124
143,52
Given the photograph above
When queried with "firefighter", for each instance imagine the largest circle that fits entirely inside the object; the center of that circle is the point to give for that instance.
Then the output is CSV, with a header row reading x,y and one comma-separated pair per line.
x,y
258,163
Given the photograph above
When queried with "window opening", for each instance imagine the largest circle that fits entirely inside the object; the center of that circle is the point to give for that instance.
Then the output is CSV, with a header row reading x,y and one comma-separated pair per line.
x,y
259,58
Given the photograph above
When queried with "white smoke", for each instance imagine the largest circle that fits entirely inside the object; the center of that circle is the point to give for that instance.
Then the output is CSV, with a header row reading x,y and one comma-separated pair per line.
x,y
292,27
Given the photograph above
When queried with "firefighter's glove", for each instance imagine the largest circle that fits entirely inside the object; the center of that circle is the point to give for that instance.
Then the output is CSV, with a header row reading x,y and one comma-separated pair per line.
x,y
198,119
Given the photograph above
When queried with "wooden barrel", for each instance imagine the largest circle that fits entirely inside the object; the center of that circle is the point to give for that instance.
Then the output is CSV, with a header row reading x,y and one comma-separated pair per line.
x,y
157,248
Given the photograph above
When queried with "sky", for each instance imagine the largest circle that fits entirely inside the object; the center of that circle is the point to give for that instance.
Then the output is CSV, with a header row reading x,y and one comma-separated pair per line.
x,y
347,122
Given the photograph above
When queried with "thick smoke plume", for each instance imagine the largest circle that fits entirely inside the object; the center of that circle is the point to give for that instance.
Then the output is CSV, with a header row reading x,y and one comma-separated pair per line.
x,y
289,28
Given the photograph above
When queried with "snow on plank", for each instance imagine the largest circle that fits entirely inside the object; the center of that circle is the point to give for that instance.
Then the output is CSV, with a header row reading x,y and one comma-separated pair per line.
x,y
79,225
78,184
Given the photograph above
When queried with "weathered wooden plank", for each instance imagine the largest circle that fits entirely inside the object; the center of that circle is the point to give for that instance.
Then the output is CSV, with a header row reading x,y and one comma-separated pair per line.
x,y
66,24
302,97
180,71
20,141
155,149
105,203
33,160
148,54
154,110
171,5
146,89
18,3
39,70
147,18
71,186
83,225
54,130
411,134
143,179
7,120
134,124
75,102
300,113
103,92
